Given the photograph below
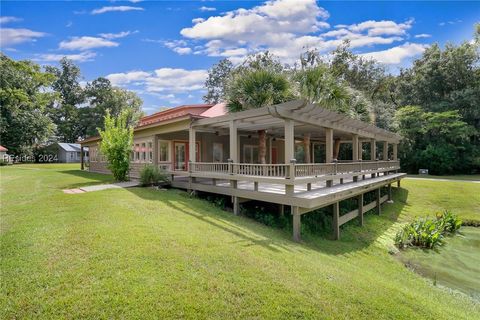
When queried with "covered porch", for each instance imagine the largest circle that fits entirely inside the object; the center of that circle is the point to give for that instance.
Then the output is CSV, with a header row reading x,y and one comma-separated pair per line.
x,y
338,158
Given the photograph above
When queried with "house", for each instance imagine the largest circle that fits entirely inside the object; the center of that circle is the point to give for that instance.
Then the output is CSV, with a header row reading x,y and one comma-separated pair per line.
x,y
204,148
3,154
67,152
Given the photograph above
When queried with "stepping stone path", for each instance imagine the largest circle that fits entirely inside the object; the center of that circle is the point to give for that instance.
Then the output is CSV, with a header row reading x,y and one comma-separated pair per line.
x,y
100,187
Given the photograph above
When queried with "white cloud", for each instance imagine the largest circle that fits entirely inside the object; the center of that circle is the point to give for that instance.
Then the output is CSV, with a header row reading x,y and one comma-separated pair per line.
x,y
135,1
116,8
164,80
85,43
8,19
10,36
423,35
384,27
207,9
120,79
451,22
395,55
197,20
78,57
286,28
118,35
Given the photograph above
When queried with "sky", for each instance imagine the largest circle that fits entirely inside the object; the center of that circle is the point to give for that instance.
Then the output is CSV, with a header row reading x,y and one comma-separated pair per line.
x,y
162,50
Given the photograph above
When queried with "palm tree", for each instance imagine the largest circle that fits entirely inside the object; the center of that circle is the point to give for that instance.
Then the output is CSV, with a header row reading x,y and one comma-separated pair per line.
x,y
256,88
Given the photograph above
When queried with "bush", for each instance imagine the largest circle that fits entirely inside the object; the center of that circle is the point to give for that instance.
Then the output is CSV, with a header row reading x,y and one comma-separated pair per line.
x,y
152,175
427,232
116,145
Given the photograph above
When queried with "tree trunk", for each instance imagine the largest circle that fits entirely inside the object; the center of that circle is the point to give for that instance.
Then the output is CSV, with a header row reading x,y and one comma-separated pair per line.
x,y
306,148
336,149
262,146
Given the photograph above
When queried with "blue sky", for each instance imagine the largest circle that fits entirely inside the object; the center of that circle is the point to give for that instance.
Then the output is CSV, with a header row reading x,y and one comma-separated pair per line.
x,y
163,49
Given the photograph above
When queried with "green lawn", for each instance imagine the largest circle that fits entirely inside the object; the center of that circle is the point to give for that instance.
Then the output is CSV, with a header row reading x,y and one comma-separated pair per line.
x,y
142,253
466,177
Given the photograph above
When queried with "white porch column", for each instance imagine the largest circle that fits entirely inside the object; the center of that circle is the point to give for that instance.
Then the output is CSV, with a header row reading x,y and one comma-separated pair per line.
x,y
233,141
395,147
360,150
329,145
191,144
289,140
373,150
385,151
355,147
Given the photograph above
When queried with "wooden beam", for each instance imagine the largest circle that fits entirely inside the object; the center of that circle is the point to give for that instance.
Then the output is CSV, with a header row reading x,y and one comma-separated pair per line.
x,y
336,216
191,144
329,145
297,227
236,206
395,150
289,128
373,150
378,204
360,208
355,147
233,141
385,151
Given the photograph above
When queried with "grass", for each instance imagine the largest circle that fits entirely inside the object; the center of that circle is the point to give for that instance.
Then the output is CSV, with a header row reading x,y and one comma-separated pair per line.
x,y
143,253
465,177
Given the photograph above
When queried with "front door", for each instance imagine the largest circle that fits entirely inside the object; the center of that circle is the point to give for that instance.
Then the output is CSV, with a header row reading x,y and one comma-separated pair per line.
x,y
180,157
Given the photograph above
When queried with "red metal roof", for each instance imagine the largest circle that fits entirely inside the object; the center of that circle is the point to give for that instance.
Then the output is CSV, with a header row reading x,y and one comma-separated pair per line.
x,y
177,112
3,149
195,110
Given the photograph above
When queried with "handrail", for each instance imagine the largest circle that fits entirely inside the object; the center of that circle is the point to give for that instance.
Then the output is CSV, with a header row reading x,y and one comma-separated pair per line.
x,y
299,170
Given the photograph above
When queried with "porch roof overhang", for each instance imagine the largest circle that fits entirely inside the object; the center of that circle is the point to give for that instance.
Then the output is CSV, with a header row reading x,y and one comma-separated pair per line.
x,y
307,116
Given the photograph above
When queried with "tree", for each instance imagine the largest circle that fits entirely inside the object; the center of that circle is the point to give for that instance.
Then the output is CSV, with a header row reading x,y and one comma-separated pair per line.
x,y
254,86
438,141
24,96
217,81
64,110
100,97
116,144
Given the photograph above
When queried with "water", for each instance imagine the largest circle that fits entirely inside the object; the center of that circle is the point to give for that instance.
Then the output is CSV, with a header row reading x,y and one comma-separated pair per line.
x,y
455,264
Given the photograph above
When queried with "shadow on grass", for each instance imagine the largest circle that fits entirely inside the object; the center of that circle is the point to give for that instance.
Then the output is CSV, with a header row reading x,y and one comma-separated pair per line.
x,y
251,232
353,236
90,178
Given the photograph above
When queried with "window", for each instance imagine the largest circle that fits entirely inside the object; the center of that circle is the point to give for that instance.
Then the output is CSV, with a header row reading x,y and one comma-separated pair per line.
x,y
71,155
217,152
163,151
137,152
250,154
150,151
144,152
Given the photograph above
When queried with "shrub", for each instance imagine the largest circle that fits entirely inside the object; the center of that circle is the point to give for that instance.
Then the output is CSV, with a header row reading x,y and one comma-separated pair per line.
x,y
449,222
427,232
152,175
116,145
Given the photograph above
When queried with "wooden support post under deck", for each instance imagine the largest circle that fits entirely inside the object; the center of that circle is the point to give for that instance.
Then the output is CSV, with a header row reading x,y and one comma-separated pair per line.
x,y
360,208
296,218
82,166
309,186
255,185
214,181
378,197
282,210
336,216
236,206
398,184
385,151
233,141
389,200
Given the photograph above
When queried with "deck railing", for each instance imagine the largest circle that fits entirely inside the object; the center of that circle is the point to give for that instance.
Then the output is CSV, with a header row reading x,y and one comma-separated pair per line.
x,y
293,169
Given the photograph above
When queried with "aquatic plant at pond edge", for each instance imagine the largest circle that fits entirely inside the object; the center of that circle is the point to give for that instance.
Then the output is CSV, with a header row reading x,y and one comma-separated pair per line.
x,y
428,232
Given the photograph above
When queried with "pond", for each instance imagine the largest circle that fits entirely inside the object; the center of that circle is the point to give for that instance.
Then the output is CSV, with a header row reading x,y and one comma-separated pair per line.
x,y
455,264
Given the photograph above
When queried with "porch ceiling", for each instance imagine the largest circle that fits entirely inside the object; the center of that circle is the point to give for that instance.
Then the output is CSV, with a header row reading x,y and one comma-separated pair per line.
x,y
309,118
